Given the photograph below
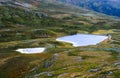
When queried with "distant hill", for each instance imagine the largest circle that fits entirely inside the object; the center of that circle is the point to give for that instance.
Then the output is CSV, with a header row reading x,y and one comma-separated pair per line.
x,y
109,7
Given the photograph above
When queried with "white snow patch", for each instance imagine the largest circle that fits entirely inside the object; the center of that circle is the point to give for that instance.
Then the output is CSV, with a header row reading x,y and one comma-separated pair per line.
x,y
31,50
82,39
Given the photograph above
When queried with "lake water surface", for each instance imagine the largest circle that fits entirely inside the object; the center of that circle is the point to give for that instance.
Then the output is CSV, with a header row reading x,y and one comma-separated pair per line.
x,y
82,39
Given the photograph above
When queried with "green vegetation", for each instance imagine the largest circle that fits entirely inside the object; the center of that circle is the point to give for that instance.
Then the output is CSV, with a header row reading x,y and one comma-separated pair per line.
x,y
20,28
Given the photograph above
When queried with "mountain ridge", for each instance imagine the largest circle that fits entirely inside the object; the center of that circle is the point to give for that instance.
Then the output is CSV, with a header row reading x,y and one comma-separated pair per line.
x,y
110,7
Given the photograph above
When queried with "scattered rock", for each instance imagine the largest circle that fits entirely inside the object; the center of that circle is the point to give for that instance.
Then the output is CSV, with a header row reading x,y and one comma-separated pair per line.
x,y
95,70
49,74
79,59
35,68
55,56
65,68
48,64
62,75
51,61
110,72
116,63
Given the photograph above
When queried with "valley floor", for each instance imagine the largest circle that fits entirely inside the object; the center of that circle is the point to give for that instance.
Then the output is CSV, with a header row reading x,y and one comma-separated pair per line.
x,y
61,60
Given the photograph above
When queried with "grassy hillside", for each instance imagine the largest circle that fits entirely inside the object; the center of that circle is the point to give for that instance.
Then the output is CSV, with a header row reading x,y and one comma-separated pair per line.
x,y
39,27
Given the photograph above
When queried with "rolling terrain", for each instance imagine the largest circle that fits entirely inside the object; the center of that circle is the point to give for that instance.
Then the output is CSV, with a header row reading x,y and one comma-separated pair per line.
x,y
109,7
37,23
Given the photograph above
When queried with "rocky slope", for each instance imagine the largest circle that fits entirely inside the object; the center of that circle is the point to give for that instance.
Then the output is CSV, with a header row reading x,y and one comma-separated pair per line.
x,y
110,7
